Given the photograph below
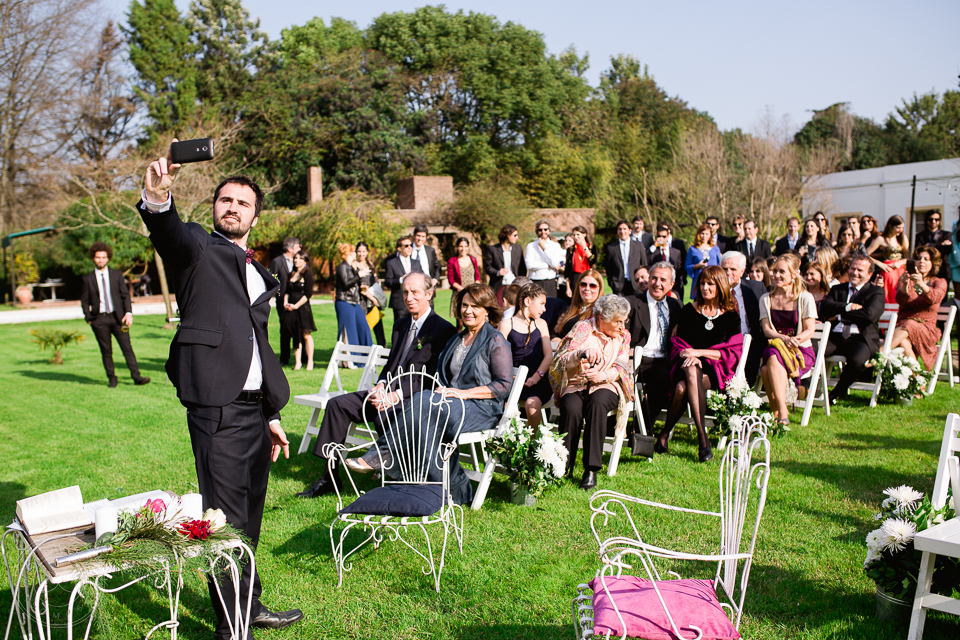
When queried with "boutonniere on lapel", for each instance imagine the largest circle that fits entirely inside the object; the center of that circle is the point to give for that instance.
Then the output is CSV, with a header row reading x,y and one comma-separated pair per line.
x,y
420,342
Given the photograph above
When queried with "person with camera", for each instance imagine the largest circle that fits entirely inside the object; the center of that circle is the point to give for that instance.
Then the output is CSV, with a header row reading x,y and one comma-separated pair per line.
x,y
919,294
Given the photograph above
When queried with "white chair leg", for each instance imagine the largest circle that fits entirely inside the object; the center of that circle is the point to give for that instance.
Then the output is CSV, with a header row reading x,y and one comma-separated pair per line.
x,y
310,431
826,392
811,398
481,493
924,580
615,456
876,390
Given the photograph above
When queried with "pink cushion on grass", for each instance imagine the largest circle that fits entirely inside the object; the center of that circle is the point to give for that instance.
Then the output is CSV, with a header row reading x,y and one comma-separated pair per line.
x,y
690,602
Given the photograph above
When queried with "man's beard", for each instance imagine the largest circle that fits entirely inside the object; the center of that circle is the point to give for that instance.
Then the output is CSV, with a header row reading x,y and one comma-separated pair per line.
x,y
236,233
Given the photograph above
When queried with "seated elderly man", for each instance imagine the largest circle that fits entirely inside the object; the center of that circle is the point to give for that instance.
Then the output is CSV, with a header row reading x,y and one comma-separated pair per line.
x,y
591,377
417,342
854,307
747,294
653,315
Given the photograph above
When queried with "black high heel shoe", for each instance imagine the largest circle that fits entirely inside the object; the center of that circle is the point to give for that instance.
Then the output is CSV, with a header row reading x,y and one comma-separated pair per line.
x,y
706,454
661,448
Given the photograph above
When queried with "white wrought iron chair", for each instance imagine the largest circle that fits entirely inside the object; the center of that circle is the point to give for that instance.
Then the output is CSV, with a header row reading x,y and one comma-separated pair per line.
x,y
888,321
410,500
370,358
745,465
942,539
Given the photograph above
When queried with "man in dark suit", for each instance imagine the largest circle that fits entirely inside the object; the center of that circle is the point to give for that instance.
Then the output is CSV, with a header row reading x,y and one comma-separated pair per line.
x,y
653,315
222,366
501,270
752,246
424,254
663,252
939,238
417,342
280,267
624,257
397,266
855,308
643,237
105,301
791,241
747,294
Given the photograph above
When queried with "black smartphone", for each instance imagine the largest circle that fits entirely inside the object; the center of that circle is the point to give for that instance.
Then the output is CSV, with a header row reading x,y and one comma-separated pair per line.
x,y
187,151
911,266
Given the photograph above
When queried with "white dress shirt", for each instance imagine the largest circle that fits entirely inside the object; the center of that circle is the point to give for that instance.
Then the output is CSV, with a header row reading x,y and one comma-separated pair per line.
x,y
744,325
421,255
508,265
854,329
104,276
625,256
792,241
406,263
543,264
654,340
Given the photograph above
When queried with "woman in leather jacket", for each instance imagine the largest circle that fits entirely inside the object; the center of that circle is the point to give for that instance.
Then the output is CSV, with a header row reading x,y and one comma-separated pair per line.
x,y
351,316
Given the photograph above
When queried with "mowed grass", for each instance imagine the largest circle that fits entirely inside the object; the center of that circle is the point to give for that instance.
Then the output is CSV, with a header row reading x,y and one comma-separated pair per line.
x,y
61,425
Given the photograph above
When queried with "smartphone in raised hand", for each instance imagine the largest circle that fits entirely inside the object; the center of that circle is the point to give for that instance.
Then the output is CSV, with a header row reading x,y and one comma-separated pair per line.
x,y
187,151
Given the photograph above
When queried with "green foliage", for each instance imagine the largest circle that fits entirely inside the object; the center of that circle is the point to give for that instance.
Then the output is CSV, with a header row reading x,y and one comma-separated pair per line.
x,y
311,44
108,219
55,339
25,269
485,207
926,127
162,54
534,459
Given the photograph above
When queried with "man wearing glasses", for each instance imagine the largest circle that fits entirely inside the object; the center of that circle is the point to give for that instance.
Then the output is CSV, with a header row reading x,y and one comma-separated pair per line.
x,y
933,235
397,266
662,251
544,258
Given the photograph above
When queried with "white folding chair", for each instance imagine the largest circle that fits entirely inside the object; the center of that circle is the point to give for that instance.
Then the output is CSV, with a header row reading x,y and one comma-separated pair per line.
x,y
942,539
818,393
946,315
745,466
411,500
888,321
342,352
472,449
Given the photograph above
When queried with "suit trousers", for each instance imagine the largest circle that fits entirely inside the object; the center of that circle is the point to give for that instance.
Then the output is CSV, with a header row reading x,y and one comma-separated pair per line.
x,y
654,375
341,412
549,286
104,326
285,337
856,351
231,449
579,409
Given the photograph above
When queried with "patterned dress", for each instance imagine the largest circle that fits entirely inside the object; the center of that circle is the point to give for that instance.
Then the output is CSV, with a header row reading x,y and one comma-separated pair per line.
x,y
918,316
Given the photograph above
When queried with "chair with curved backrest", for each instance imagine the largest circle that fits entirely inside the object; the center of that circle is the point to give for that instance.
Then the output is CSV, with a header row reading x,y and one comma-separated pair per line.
x,y
406,498
618,604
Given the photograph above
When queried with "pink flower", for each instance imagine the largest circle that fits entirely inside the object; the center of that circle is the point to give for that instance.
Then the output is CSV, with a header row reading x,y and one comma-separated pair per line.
x,y
156,506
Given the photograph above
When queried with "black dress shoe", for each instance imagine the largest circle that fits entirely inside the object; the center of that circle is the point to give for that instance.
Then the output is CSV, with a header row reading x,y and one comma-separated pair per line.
x,y
322,486
589,480
112,383
276,619
706,454
142,381
659,448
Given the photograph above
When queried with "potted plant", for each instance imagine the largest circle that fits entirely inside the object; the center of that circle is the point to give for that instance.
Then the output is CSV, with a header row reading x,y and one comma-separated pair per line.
x,y
901,378
737,400
56,340
534,459
893,563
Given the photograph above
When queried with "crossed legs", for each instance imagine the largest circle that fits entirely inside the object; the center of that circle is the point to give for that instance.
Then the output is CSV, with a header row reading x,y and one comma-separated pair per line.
x,y
692,388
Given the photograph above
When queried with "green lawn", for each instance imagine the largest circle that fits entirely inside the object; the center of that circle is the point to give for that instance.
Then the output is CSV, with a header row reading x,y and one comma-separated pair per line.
x,y
61,425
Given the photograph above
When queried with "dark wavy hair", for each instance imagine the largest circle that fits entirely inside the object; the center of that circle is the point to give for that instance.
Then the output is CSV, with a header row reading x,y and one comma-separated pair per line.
x,y
244,181
482,296
717,276
97,247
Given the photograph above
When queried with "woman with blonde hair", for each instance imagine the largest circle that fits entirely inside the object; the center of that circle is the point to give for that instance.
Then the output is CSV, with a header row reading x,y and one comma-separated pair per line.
x,y
788,315
894,247
351,316
586,290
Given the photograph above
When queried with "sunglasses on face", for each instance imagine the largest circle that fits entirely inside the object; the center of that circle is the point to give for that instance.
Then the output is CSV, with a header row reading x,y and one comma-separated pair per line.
x,y
545,229
404,246
589,285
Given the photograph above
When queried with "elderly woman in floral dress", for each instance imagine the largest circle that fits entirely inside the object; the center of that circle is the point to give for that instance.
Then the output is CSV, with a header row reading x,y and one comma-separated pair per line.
x,y
591,377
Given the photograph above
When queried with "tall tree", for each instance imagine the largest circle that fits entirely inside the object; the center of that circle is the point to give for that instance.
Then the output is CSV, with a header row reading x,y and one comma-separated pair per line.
x,y
162,54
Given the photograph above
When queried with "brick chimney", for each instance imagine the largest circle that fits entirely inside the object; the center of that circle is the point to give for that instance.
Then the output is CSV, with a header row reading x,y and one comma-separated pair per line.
x,y
314,185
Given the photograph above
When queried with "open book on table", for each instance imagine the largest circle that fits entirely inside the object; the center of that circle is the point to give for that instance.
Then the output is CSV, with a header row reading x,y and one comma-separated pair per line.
x,y
64,509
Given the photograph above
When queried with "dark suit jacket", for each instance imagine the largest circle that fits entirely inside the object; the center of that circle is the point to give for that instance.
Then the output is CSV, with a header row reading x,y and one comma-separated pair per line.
x,y
646,239
752,292
638,324
90,296
870,297
783,245
391,279
211,352
278,267
676,260
680,246
726,243
431,259
614,264
761,249
493,262
433,337
936,239
555,307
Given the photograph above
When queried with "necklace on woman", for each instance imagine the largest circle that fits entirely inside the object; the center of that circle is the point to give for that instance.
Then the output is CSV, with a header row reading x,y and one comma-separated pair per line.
x,y
708,325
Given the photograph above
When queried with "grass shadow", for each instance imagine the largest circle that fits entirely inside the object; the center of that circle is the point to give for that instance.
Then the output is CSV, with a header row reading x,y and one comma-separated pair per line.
x,y
866,442
849,478
60,376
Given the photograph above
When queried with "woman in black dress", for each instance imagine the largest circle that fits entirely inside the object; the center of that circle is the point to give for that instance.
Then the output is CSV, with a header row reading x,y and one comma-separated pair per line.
x,y
529,338
299,323
706,346
368,278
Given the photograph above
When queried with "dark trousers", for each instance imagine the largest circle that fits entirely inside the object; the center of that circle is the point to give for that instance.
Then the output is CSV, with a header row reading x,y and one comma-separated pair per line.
x,y
378,333
856,351
340,413
231,449
588,411
105,325
285,337
754,357
399,313
548,286
654,375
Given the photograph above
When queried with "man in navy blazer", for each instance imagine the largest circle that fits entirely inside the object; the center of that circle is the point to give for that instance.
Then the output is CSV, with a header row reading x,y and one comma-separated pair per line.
x,y
105,301
619,276
419,350
221,363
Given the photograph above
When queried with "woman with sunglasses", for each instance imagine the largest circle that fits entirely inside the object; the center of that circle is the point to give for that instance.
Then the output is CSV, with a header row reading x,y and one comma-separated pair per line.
x,y
586,291
824,224
868,229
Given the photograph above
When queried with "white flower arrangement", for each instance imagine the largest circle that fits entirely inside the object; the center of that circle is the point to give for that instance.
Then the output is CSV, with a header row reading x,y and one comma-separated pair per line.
x,y
535,459
733,403
901,376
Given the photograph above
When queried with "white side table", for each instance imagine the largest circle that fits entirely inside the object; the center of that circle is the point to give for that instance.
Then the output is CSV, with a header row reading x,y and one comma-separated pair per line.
x,y
940,540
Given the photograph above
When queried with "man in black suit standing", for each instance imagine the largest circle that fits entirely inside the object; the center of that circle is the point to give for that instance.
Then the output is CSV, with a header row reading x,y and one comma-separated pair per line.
x,y
643,237
624,257
221,364
747,293
504,262
791,241
663,252
105,301
398,265
424,254
653,315
417,342
280,267
939,238
855,308
752,246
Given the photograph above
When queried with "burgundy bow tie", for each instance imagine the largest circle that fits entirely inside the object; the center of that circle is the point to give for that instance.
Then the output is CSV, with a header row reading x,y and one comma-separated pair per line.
x,y
249,253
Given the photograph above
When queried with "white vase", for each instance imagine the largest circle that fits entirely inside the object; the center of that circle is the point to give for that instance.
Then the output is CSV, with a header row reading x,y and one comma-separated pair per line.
x,y
905,402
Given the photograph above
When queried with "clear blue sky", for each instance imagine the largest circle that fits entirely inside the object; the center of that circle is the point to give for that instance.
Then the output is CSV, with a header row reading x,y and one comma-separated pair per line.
x,y
735,62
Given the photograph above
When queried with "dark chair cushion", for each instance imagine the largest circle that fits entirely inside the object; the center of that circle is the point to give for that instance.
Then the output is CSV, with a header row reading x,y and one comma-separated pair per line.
x,y
399,500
